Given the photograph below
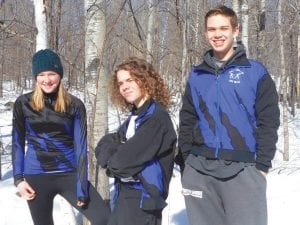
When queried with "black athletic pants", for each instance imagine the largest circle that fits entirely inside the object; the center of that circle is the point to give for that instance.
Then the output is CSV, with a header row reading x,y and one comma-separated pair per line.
x,y
127,209
47,186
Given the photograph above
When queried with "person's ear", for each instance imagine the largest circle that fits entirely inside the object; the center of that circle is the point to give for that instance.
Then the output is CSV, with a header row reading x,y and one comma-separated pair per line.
x,y
236,32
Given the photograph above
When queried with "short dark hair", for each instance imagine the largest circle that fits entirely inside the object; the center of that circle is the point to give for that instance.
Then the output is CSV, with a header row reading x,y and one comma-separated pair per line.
x,y
224,11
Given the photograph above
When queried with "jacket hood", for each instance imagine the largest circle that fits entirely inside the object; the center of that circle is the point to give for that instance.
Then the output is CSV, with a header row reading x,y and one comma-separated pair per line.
x,y
209,64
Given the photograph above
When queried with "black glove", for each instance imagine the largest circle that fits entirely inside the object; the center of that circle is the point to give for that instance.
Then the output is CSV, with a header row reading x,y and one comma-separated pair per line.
x,y
106,147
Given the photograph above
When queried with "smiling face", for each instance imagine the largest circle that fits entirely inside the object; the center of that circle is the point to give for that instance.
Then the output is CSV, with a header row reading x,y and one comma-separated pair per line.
x,y
48,81
221,34
129,89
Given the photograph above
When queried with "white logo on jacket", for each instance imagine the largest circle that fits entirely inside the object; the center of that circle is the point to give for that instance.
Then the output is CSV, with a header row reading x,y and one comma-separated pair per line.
x,y
235,76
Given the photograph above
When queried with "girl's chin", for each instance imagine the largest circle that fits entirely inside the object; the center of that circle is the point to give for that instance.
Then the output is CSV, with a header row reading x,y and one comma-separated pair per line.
x,y
48,90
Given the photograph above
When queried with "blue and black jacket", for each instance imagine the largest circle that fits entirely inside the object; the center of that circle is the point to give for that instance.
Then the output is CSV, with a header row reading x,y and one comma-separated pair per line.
x,y
148,156
230,113
50,142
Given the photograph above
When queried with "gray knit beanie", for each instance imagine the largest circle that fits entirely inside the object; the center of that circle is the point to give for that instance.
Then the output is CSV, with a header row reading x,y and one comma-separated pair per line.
x,y
46,60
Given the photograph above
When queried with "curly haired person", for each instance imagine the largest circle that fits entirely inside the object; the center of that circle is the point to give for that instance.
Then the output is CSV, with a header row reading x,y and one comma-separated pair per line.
x,y
140,154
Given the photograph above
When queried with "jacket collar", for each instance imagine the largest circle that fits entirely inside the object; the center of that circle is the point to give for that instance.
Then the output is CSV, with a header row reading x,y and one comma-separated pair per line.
x,y
239,58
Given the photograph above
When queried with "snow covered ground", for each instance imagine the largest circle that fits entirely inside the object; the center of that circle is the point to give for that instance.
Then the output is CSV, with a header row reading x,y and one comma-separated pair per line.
x,y
283,184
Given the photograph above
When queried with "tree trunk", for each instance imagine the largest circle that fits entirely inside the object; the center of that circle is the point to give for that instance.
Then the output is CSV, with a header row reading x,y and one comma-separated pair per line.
x,y
96,91
185,32
54,21
1,147
298,72
41,24
236,7
261,30
150,30
2,67
245,17
163,20
283,85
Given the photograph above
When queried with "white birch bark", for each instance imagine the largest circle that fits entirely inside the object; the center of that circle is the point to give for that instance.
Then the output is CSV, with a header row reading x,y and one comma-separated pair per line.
x,y
41,25
184,45
245,18
261,31
236,7
298,50
150,29
195,29
197,24
96,87
283,89
163,20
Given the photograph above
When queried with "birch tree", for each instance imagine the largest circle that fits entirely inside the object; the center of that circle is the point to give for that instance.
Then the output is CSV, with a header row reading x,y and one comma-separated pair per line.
x,y
261,29
298,71
245,18
283,83
196,37
149,40
96,88
54,22
163,19
185,45
236,7
41,24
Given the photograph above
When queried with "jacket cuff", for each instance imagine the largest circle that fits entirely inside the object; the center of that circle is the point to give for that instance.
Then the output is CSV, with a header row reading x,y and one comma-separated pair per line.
x,y
18,179
262,167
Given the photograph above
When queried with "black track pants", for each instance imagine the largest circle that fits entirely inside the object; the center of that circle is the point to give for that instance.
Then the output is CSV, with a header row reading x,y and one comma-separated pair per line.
x,y
47,186
127,210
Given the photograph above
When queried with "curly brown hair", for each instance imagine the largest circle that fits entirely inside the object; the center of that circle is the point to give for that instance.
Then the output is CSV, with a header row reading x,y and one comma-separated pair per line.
x,y
147,79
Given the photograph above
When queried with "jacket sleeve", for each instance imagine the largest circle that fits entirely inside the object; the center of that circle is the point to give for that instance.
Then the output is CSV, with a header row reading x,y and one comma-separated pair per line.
x,y
18,142
150,140
268,120
188,119
106,147
80,147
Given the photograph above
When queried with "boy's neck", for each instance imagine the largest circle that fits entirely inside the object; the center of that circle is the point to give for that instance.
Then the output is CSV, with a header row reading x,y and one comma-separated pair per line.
x,y
223,57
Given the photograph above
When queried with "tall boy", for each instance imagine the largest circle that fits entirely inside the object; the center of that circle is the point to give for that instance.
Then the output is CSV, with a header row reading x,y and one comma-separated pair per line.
x,y
228,130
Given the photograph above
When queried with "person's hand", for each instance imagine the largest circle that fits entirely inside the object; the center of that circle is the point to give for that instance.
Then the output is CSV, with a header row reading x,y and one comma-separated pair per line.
x,y
26,191
263,173
80,203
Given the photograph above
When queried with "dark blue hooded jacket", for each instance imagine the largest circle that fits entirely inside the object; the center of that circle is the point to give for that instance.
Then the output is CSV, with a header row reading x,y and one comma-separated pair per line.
x,y
230,113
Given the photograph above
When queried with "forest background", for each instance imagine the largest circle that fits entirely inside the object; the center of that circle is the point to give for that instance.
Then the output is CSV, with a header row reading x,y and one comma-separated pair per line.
x,y
93,36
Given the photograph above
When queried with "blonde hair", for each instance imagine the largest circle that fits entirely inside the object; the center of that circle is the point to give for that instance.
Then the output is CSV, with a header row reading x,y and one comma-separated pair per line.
x,y
147,79
63,100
